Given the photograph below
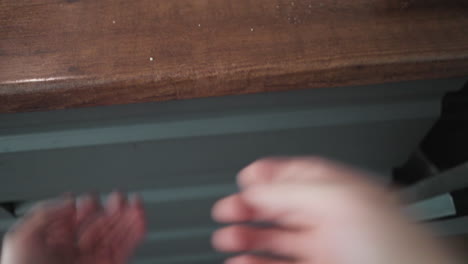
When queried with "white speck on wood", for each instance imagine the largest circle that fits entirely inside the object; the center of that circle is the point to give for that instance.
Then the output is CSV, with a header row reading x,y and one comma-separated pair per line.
x,y
113,21
199,25
151,59
252,29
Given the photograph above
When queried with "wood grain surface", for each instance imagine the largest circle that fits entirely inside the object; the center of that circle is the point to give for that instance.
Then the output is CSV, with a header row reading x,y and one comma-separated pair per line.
x,y
58,54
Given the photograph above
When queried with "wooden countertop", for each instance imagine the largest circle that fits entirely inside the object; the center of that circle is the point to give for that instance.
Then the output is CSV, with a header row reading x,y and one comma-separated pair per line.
x,y
76,53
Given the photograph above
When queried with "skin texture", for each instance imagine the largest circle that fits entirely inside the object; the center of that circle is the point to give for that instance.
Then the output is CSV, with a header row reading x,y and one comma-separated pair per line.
x,y
66,231
323,213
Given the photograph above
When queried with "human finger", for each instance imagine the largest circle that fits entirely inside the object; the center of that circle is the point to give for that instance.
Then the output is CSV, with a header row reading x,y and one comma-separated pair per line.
x,y
300,169
278,241
301,205
116,202
87,207
250,259
232,209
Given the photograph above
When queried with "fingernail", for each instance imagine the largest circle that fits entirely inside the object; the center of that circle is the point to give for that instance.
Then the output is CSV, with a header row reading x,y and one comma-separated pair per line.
x,y
87,198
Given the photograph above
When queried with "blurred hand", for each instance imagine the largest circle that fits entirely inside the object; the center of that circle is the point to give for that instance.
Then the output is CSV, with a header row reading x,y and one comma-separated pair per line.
x,y
61,232
324,213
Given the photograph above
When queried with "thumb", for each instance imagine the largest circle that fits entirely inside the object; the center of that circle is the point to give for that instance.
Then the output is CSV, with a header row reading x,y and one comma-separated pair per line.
x,y
43,214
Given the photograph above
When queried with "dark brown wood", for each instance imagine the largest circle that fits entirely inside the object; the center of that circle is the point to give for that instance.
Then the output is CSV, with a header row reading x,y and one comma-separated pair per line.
x,y
76,53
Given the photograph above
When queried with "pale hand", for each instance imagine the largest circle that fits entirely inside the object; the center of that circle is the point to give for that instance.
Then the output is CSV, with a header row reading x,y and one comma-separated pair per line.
x,y
324,213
